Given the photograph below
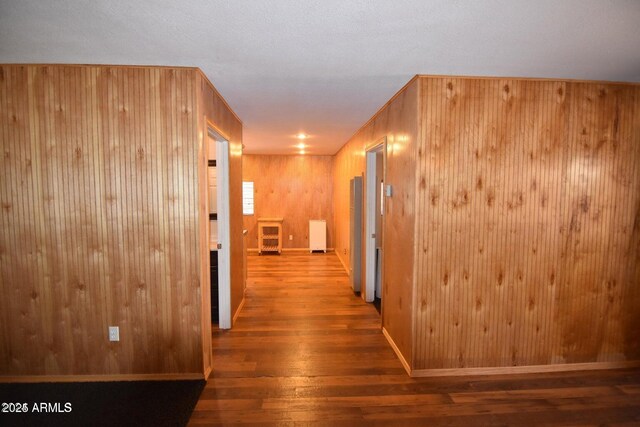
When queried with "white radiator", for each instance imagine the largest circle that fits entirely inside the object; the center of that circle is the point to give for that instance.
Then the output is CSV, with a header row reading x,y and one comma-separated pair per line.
x,y
317,235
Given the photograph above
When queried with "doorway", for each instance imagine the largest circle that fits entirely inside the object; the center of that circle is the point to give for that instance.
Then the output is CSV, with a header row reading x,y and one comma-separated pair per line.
x,y
374,221
219,224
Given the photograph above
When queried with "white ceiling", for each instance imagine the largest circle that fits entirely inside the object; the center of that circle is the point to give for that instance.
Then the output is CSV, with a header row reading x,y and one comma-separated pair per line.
x,y
325,66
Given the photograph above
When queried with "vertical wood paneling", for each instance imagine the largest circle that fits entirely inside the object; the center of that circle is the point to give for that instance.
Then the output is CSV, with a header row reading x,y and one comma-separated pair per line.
x,y
630,317
528,207
296,188
601,205
100,221
398,122
214,109
203,231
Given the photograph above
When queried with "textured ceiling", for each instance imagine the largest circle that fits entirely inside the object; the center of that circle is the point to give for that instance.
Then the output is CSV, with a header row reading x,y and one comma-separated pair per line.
x,y
325,66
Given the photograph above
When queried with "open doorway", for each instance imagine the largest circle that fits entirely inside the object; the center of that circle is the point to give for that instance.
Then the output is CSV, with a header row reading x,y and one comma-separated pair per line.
x,y
374,221
219,227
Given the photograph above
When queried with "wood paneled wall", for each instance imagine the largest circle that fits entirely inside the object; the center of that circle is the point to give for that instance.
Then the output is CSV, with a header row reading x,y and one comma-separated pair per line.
x,y
528,231
398,122
296,188
100,220
213,110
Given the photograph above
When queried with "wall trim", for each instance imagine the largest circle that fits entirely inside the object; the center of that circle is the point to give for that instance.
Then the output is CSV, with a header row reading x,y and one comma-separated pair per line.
x,y
255,250
237,313
526,369
342,262
99,378
395,348
523,79
303,250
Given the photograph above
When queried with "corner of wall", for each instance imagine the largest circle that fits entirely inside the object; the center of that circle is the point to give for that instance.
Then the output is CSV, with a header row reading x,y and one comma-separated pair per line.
x,y
405,364
419,154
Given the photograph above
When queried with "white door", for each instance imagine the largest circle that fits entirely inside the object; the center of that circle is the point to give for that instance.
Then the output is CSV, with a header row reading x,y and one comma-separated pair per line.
x,y
223,228
374,205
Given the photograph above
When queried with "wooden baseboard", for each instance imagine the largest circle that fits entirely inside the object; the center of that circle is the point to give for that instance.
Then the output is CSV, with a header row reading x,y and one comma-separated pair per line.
x,y
237,313
302,250
342,262
255,250
207,373
395,348
98,378
506,370
530,369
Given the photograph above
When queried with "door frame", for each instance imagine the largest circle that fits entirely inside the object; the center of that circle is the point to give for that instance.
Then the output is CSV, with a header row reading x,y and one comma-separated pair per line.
x,y
370,214
224,226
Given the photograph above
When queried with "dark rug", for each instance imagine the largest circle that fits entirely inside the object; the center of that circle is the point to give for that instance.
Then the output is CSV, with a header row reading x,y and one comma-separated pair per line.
x,y
121,403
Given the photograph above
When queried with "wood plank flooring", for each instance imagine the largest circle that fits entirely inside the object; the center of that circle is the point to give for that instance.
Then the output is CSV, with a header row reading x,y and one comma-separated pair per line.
x,y
306,351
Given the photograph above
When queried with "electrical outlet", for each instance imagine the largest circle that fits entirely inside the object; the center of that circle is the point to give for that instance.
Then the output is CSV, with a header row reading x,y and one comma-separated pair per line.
x,y
290,236
345,251
114,333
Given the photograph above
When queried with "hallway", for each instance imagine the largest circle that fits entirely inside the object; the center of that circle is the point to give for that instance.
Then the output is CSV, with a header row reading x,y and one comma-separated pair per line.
x,y
306,350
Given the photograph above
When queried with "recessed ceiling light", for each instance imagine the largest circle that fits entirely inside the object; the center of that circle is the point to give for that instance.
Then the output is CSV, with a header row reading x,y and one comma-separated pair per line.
x,y
301,136
301,146
302,151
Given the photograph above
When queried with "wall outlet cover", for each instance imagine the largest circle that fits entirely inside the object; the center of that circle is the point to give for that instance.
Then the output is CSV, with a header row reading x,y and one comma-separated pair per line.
x,y
114,333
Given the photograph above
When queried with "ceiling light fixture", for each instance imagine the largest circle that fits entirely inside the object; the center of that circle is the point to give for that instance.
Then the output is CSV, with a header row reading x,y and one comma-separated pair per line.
x,y
301,136
301,146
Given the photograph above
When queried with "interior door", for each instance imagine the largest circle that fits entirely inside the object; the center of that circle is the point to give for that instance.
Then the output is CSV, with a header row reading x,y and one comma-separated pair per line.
x,y
374,220
379,213
222,227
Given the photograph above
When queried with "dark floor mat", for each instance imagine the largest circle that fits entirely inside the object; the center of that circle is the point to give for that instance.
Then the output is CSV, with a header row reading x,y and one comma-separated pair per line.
x,y
122,403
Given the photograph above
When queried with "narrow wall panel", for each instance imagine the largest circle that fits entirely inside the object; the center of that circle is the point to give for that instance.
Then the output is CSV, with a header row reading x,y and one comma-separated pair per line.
x,y
527,201
600,210
214,109
630,317
296,188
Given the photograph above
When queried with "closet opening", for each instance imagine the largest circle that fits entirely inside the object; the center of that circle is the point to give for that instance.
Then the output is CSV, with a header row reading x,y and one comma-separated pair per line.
x,y
219,227
374,222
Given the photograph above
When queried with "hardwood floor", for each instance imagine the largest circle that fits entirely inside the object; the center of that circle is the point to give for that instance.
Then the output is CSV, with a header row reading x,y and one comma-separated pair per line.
x,y
306,351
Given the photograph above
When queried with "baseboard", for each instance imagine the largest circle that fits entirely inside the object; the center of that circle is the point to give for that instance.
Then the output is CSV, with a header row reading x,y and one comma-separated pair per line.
x,y
527,369
395,348
255,250
237,313
506,370
98,378
302,250
342,262
207,373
